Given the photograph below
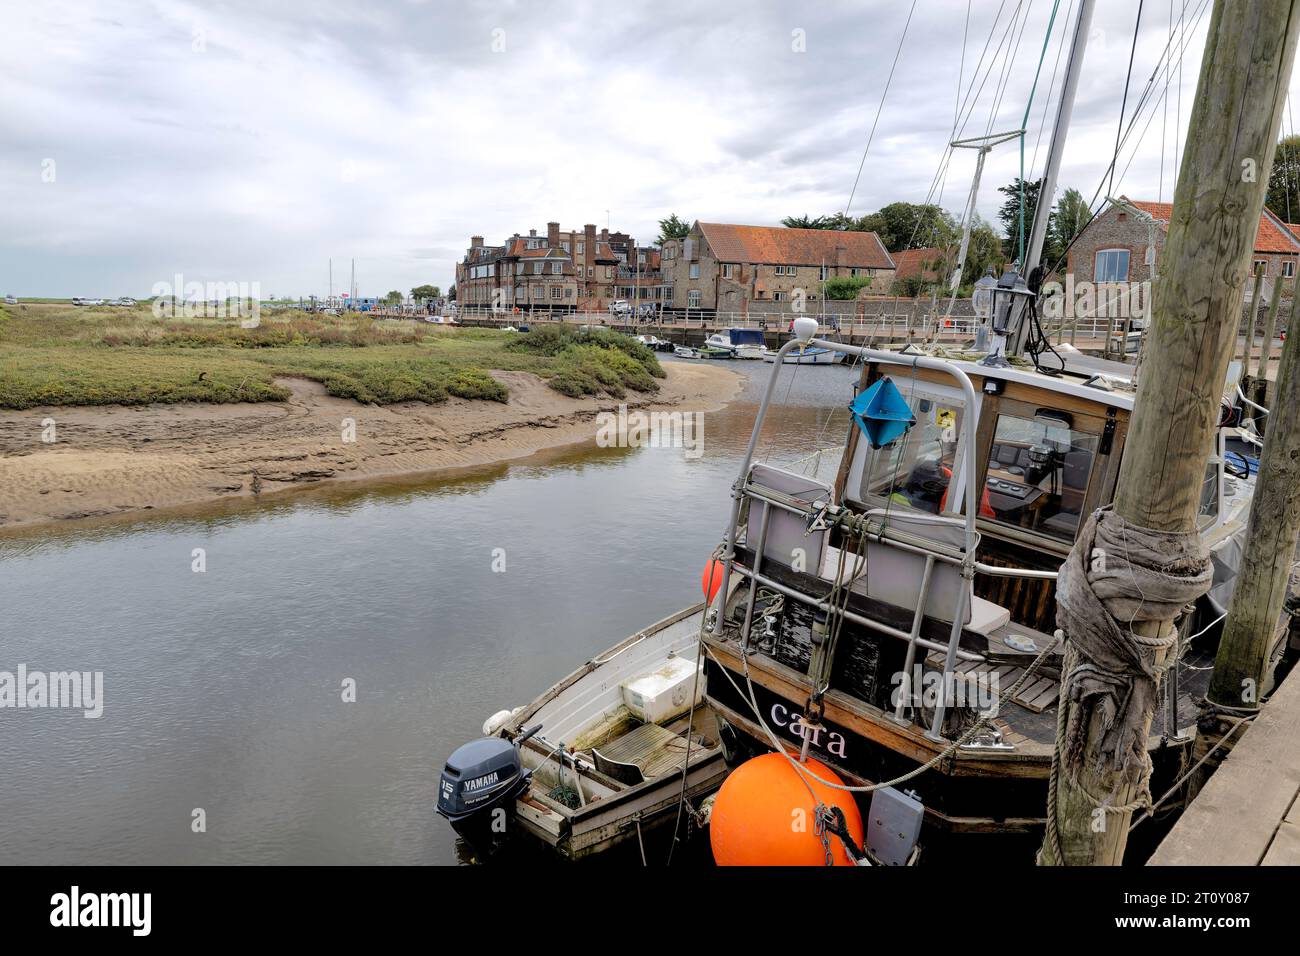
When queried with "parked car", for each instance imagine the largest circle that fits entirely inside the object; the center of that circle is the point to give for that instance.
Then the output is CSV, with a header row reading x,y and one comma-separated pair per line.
x,y
11,300
620,307
78,300
124,300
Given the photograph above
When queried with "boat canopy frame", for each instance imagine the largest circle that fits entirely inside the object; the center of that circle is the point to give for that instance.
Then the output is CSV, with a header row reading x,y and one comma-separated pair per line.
x,y
963,557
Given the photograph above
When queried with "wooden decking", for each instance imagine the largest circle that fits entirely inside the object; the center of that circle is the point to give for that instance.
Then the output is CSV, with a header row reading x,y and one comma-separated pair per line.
x,y
1249,812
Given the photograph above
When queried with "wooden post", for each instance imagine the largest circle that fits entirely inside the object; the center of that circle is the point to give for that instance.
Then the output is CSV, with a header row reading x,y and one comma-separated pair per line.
x,y
1266,351
1239,668
1248,322
1194,320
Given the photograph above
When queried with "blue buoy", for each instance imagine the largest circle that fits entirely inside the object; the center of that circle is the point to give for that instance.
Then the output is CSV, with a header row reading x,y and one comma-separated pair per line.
x,y
882,413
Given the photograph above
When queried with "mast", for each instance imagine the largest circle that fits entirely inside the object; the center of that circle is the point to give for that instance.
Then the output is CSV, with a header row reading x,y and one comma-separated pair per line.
x,y
1047,190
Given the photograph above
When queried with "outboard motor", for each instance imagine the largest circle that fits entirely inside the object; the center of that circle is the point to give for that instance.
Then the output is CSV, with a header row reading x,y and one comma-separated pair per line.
x,y
478,787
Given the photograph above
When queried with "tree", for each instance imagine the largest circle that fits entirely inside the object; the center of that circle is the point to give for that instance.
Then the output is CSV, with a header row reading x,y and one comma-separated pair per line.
x,y
1009,215
393,298
846,288
672,228
1069,218
806,222
905,225
1283,197
451,293
984,252
425,292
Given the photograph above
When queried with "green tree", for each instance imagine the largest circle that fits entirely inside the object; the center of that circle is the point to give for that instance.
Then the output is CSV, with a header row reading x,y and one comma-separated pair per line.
x,y
425,292
451,293
1069,218
1283,197
984,252
393,298
806,222
905,225
1009,214
846,287
672,228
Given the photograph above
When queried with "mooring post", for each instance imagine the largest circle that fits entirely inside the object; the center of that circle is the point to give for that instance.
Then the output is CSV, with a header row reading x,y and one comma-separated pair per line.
x,y
1266,351
1241,665
1248,321
1194,322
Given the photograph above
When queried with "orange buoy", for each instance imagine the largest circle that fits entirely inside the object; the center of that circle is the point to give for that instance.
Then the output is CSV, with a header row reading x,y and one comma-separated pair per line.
x,y
764,816
711,579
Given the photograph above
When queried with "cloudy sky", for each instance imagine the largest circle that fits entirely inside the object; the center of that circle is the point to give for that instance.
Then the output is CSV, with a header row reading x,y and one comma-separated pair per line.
x,y
252,141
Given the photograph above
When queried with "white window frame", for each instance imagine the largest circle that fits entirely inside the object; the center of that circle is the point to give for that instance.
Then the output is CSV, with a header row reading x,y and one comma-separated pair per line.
x,y
1097,261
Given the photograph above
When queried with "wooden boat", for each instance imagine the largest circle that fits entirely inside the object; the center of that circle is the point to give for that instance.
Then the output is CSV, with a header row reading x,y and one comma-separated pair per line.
x,y
950,537
599,772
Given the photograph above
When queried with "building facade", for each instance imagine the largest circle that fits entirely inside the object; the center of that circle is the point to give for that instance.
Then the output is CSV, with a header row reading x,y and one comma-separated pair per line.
x,y
729,267
562,271
1120,247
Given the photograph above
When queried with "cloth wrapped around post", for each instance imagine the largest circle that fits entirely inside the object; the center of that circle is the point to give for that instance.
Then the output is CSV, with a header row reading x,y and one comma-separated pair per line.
x,y
1116,575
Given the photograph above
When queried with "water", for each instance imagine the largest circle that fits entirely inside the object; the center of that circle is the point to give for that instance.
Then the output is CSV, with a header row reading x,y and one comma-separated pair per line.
x,y
223,689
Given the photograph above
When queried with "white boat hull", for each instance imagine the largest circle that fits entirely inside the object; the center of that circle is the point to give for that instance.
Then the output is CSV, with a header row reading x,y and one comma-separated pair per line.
x,y
574,710
808,357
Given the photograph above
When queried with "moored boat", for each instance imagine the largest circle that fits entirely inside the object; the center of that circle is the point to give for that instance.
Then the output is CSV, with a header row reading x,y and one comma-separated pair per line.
x,y
602,751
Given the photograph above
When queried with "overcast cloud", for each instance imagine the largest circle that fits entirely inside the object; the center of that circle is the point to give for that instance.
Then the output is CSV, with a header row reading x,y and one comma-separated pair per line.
x,y
250,141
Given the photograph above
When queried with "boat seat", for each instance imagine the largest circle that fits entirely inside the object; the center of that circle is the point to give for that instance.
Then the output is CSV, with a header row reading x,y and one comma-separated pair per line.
x,y
787,532
626,773
650,750
986,617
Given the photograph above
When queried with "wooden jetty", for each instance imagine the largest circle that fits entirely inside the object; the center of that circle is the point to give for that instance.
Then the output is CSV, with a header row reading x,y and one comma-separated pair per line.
x,y
1248,814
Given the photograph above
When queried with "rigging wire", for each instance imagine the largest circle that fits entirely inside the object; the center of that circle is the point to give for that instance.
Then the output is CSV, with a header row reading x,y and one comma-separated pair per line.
x,y
1024,123
879,108
1124,102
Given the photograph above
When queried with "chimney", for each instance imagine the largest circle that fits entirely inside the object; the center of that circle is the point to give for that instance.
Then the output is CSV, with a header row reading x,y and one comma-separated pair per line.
x,y
589,236
552,234
533,233
475,242
604,235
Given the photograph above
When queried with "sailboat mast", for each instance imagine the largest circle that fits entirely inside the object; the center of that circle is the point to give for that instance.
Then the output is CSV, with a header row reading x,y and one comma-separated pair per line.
x,y
1038,234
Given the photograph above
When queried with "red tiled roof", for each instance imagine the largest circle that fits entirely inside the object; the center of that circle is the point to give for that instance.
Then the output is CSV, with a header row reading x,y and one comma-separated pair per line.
x,y
924,263
778,245
1271,236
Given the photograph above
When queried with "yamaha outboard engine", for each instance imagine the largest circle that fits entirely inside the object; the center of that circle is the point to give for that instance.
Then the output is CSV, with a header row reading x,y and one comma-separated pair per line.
x,y
478,788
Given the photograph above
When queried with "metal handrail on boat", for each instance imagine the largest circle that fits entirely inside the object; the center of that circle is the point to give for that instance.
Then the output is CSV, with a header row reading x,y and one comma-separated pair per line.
x,y
966,561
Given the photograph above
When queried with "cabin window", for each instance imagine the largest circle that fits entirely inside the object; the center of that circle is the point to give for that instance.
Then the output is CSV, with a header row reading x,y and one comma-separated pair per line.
x,y
1111,265
916,470
1038,473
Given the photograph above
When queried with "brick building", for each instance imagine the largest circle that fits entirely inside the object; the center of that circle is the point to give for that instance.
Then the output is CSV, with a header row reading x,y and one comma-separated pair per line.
x,y
562,271
1114,247
728,267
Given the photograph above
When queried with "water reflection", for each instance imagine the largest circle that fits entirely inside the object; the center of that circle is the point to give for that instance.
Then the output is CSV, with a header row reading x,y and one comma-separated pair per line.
x,y
224,688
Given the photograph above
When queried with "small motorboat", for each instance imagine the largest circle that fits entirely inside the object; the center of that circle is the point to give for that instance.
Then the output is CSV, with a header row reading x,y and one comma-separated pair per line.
x,y
656,344
744,343
686,352
598,758
807,356
711,351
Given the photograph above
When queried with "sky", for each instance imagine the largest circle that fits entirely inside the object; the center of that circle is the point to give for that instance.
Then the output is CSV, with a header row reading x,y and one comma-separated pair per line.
x,y
245,141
